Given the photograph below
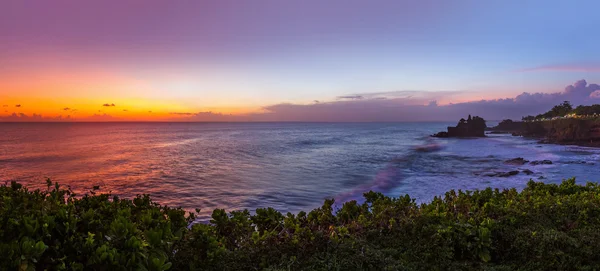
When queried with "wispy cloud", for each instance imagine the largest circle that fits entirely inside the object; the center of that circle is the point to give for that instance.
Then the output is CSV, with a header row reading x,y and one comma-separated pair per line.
x,y
585,67
350,97
18,105
108,105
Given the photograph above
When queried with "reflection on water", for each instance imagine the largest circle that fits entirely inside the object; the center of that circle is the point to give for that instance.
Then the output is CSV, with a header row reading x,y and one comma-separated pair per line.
x,y
289,166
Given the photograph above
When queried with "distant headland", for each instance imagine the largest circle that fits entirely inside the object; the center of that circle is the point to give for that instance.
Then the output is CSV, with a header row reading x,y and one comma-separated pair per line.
x,y
563,124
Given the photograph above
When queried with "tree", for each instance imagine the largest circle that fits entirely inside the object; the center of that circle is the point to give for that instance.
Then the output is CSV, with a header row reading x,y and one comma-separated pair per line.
x,y
478,122
528,118
561,109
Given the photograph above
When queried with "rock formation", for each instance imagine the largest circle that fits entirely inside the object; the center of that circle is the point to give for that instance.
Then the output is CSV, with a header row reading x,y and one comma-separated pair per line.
x,y
471,127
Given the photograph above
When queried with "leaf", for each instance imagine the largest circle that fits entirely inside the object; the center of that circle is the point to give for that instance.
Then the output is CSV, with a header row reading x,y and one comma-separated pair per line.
x,y
484,255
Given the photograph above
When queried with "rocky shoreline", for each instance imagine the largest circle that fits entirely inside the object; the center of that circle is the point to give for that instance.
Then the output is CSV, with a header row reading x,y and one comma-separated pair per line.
x,y
563,131
519,162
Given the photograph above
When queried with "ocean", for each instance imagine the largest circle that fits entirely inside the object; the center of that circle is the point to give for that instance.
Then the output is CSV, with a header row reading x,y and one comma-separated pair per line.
x,y
287,166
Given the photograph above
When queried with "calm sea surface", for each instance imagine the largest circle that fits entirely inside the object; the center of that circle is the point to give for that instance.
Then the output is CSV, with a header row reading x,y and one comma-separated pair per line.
x,y
288,166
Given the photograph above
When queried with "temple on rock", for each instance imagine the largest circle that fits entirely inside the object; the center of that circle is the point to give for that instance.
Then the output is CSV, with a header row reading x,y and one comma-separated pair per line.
x,y
471,127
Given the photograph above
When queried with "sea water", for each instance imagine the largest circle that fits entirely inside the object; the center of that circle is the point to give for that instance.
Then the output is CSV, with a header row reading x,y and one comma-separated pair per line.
x,y
287,166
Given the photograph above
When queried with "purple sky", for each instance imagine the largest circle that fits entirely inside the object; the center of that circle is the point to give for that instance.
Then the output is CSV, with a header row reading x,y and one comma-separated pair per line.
x,y
271,60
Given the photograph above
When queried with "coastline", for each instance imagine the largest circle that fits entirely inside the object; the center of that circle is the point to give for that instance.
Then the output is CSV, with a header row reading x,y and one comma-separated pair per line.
x,y
578,132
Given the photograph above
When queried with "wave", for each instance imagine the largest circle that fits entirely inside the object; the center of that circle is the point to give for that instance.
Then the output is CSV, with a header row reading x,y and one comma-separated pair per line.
x,y
392,174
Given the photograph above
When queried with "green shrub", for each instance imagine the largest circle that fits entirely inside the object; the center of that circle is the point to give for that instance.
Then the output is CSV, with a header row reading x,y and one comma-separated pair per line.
x,y
542,227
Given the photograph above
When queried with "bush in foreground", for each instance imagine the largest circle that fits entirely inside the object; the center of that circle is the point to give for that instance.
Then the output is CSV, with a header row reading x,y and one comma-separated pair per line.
x,y
543,227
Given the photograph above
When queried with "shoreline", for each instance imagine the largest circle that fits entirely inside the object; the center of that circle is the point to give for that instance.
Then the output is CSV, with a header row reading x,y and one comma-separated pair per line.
x,y
577,132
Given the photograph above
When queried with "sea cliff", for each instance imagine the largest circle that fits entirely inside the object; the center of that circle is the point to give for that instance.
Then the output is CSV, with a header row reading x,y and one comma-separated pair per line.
x,y
585,132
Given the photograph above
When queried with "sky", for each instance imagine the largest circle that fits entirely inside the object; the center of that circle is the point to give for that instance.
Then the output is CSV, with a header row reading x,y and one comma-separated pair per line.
x,y
310,60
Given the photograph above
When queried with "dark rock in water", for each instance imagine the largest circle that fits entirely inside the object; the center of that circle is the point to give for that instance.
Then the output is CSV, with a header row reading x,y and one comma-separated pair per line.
x,y
440,134
527,171
502,174
471,127
508,174
517,161
515,134
541,162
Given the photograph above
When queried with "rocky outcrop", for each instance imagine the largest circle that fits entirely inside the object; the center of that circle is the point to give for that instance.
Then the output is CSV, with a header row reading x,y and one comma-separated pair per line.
x,y
584,132
471,127
541,162
503,174
527,171
516,161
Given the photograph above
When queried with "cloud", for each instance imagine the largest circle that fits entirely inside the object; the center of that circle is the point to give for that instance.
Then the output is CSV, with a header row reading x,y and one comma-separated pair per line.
x,y
351,97
5,105
585,67
389,107
108,105
415,106
209,116
66,109
414,97
18,105
125,110
595,94
21,117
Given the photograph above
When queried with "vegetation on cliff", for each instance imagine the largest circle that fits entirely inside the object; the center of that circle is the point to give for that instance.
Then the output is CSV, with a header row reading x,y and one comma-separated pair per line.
x,y
566,109
562,124
543,227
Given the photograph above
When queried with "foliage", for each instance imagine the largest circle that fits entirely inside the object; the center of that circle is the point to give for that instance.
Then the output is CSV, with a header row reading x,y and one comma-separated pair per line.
x,y
528,118
564,109
557,111
478,122
587,110
543,227
54,230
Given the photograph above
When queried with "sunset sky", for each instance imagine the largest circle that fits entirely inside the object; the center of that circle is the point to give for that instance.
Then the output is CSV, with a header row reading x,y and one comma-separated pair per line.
x,y
311,60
